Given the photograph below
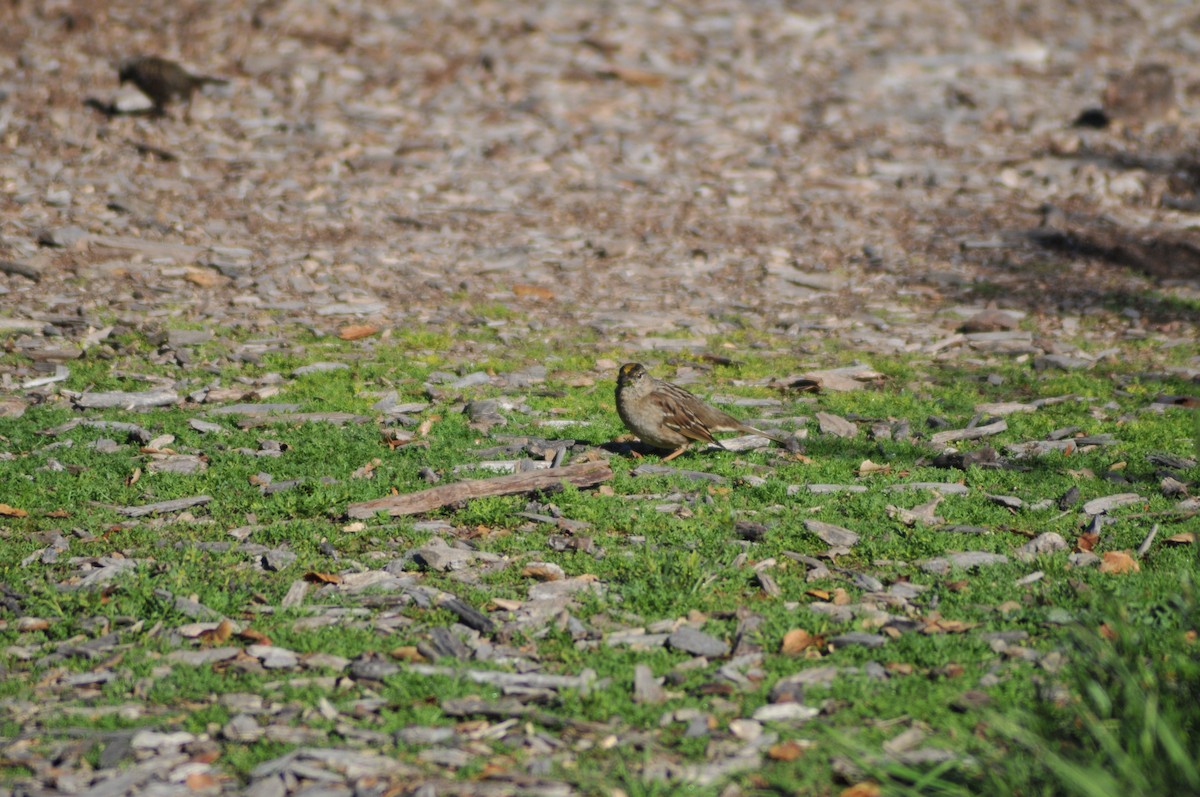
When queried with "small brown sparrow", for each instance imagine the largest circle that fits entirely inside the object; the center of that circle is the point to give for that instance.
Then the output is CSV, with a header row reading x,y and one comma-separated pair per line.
x,y
664,415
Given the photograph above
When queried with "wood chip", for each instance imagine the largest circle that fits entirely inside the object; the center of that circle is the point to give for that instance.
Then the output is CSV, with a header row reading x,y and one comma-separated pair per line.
x,y
586,474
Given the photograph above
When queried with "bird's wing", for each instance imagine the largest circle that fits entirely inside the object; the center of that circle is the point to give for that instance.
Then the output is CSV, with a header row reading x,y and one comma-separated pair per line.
x,y
678,417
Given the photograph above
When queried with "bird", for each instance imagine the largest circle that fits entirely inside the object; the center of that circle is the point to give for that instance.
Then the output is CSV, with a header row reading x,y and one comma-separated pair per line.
x,y
664,415
162,80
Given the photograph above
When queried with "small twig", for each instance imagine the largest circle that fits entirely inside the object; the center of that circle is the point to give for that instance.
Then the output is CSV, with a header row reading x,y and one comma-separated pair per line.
x,y
1145,546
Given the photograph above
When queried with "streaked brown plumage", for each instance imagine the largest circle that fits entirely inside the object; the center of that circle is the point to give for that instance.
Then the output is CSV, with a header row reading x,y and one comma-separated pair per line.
x,y
162,80
664,415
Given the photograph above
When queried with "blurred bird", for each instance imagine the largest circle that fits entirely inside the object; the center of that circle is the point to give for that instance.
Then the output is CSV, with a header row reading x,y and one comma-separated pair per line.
x,y
162,80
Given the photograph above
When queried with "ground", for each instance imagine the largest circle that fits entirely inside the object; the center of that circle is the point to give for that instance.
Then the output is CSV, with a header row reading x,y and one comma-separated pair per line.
x,y
459,203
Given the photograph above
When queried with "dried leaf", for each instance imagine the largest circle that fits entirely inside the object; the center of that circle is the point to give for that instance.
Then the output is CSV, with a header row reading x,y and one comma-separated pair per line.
x,y
133,478
322,578
58,513
203,277
868,467
533,291
797,640
819,594
427,424
867,788
28,624
367,471
254,637
218,635
941,625
1119,562
841,597
199,781
407,653
1105,630
543,572
787,751
1182,538
357,331
12,511
1086,542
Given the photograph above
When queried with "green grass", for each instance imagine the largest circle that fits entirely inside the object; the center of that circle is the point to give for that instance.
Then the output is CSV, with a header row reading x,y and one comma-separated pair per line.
x,y
655,565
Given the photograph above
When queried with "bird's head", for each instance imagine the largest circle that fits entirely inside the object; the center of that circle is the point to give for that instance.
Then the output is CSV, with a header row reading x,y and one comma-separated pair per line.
x,y
631,373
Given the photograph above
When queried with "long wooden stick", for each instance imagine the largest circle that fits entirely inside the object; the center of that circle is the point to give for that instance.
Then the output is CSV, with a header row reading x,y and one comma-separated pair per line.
x,y
585,474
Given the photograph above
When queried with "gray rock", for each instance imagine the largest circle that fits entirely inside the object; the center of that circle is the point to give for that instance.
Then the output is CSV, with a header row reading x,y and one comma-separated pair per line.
x,y
65,237
965,560
437,555
242,728
471,380
158,397
183,464
1046,542
697,643
1098,506
277,559
836,425
424,735
831,534
272,657
373,667
319,368
785,712
858,638
646,688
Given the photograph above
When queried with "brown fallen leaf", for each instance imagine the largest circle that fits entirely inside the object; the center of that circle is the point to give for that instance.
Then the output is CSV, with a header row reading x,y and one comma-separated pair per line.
x,y
533,292
427,424
868,467
367,471
12,511
787,751
1086,542
798,640
357,331
899,667
218,635
1182,538
819,594
58,513
1105,630
203,277
322,578
868,788
199,781
840,597
1117,562
407,653
254,637
940,625
133,478
29,624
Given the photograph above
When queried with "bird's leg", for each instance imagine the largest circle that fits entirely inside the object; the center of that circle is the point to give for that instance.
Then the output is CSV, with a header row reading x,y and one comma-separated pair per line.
x,y
674,454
